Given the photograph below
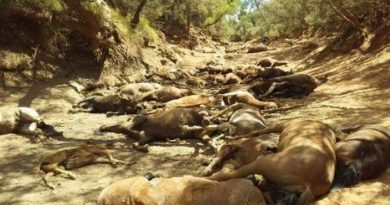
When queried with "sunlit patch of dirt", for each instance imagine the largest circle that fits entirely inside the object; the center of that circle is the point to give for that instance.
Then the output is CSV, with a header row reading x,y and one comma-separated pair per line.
x,y
366,193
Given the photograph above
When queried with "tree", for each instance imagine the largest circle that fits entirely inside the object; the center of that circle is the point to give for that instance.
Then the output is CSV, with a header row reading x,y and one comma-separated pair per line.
x,y
137,14
343,13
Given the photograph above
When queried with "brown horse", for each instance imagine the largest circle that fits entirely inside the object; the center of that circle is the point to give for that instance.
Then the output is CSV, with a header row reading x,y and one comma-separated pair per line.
x,y
364,154
305,161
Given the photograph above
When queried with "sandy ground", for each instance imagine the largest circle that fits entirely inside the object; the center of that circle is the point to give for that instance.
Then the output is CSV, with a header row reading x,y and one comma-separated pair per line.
x,y
358,91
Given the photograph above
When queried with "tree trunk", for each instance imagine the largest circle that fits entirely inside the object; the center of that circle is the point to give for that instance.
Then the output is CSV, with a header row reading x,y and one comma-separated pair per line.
x,y
137,14
188,25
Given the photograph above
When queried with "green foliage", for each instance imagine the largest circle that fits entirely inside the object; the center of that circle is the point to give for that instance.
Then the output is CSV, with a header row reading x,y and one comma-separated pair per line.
x,y
145,30
55,5
242,19
201,12
215,10
291,18
102,11
223,30
121,22
52,5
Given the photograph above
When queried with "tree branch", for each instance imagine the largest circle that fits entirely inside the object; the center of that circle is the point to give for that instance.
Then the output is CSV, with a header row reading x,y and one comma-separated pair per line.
x,y
345,16
216,20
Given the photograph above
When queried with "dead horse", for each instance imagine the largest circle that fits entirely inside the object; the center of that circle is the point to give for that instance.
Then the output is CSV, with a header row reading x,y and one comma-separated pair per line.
x,y
362,155
304,163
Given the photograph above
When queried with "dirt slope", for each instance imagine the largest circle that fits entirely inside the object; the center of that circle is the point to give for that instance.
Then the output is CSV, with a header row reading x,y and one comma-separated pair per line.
x,y
357,92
